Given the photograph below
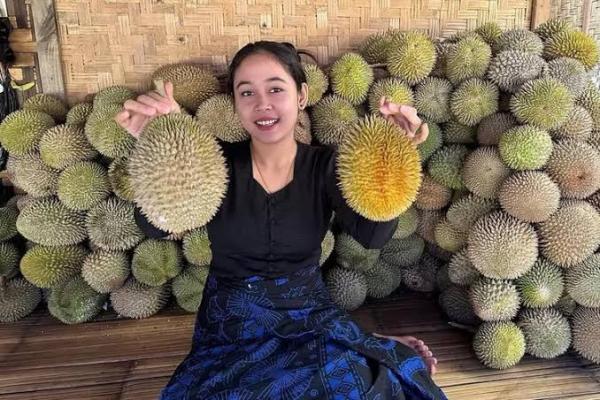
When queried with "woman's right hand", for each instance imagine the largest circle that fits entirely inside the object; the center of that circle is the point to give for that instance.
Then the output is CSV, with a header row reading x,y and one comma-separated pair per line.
x,y
136,114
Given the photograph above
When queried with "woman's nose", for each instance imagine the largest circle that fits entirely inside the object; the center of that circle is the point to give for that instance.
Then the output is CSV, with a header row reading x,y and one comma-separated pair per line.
x,y
262,103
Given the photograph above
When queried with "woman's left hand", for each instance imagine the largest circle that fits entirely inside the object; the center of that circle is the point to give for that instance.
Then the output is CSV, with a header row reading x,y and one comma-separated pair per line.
x,y
406,118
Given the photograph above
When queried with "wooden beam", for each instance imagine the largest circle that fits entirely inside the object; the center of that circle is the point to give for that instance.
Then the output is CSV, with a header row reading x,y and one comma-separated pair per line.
x,y
587,15
50,67
540,12
21,41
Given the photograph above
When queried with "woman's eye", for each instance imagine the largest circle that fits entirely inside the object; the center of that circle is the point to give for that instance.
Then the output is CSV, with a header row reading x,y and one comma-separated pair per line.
x,y
246,93
276,90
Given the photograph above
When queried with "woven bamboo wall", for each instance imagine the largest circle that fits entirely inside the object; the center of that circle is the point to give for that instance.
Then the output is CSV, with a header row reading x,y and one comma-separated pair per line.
x,y
105,42
576,11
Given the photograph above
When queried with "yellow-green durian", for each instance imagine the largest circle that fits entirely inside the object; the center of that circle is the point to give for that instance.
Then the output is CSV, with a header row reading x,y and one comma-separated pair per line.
x,y
332,119
115,94
111,225
48,104
412,57
21,130
50,266
136,300
155,261
106,271
119,179
188,287
317,83
83,185
217,116
105,134
74,301
78,114
18,298
64,145
351,78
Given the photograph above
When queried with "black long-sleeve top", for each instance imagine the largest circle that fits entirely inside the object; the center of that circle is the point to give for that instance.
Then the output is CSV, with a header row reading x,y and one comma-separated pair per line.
x,y
257,233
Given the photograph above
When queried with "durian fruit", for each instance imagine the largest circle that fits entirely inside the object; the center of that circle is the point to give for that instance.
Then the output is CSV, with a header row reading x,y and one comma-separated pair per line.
x,y
442,280
578,125
317,83
500,246
461,270
432,98
586,325
456,304
382,279
9,260
8,223
573,44
83,185
217,116
379,169
575,167
48,104
489,32
74,301
110,95
375,48
445,165
49,222
484,172
111,225
327,245
530,196
78,114
468,59
511,69
499,345
412,57
393,89
542,285
428,219
302,132
437,252
570,235
432,143
351,254
407,224
50,266
590,100
64,145
432,195
544,103
520,40
525,147
136,300
494,299
105,134
566,305
473,100
569,72
547,332
18,298
443,48
422,276
402,252
351,76
30,174
347,288
552,26
119,179
583,281
21,130
106,271
178,173
155,261
332,118
196,247
188,287
491,127
448,237
192,84
463,212
455,132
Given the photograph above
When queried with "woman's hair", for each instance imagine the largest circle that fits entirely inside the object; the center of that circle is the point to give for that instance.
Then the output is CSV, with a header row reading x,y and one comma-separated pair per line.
x,y
284,52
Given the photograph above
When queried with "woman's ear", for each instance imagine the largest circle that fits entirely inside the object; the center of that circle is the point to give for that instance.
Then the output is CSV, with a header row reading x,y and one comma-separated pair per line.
x,y
303,96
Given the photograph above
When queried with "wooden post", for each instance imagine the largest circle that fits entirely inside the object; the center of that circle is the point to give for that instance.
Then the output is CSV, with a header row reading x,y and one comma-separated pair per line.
x,y
50,67
587,15
540,12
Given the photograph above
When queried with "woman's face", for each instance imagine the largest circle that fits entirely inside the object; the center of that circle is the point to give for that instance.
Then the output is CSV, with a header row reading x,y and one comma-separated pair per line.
x,y
266,98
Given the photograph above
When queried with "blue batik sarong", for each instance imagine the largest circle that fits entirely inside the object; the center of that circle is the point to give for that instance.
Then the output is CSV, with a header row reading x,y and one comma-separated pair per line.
x,y
269,339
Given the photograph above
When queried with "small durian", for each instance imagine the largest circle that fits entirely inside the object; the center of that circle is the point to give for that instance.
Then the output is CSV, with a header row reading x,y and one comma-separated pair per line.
x,y
111,225
18,299
412,57
155,262
530,196
510,69
105,134
468,59
448,237
332,119
106,271
525,147
196,247
192,84
64,145
585,323
445,165
583,281
575,167
484,172
115,94
494,299
393,89
403,252
578,126
119,179
461,270
432,195
382,279
547,332
188,287
136,300
30,174
428,219
8,223
407,224
74,301
21,130
351,76
590,100
520,40
573,44
443,48
569,72
455,132
463,212
432,143
83,185
78,114
566,305
542,285
473,100
552,26
455,302
351,254
217,116
9,260
432,99
50,266
376,48
317,83
491,127
48,104
489,32
347,288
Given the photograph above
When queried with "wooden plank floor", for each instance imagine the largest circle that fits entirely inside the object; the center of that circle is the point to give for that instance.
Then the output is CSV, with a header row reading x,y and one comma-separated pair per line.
x,y
111,358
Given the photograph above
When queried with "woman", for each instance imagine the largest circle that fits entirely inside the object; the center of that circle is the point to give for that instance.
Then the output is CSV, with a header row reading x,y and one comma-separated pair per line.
x,y
266,327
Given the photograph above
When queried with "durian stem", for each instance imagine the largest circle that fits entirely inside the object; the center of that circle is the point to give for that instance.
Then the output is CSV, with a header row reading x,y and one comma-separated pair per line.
x,y
467,328
159,86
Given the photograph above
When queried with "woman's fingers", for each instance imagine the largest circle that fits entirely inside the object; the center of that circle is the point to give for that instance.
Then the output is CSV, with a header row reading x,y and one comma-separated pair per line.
x,y
169,92
138,122
122,118
138,107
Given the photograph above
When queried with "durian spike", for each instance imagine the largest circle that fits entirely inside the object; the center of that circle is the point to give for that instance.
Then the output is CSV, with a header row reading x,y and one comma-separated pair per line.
x,y
159,86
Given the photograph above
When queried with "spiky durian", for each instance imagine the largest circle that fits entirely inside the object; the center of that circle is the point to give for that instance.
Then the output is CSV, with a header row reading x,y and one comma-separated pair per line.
x,y
382,279
583,282
49,266
83,185
332,118
9,260
590,100
490,32
302,132
428,219
474,100
571,234
443,48
500,246
403,252
422,276
575,167
217,116
48,104
347,288
196,247
468,59
525,147
542,285
455,132
455,302
351,77
530,196
578,126
18,298
445,165
432,143
21,130
544,103
105,271
119,179
115,94
448,237
178,173
317,83
461,270
432,195
407,224
155,261
30,174
574,44
547,332
188,287
105,134
136,300
8,223
511,69
491,127
64,145
111,225
432,97
352,255
412,57
379,169
393,89
78,114
463,212
566,305
74,301
552,26
569,72
49,222
521,40
375,48
461,35
494,299
586,325
192,84
483,172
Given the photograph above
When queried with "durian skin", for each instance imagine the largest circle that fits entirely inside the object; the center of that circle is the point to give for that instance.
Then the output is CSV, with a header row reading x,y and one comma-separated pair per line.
x,y
106,271
511,69
521,40
327,245
578,126
115,94
83,185
542,285
484,172
448,237
375,48
570,72
75,301
105,134
351,254
47,104
432,97
9,260
136,300
445,166
407,224
494,300
583,282
547,332
50,266
552,26
332,118
317,82
30,174
155,262
347,288
196,247
18,298
530,196
499,345
402,252
393,89
525,147
474,100
192,84
433,142
188,287
491,128
454,300
217,116
575,167
412,57
21,130
382,279
464,212
119,179
8,223
78,114
574,44
64,145
111,225
461,271
469,59
432,195
351,77
585,326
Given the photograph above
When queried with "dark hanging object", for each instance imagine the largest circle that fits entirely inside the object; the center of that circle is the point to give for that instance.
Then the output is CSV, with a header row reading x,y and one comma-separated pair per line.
x,y
8,96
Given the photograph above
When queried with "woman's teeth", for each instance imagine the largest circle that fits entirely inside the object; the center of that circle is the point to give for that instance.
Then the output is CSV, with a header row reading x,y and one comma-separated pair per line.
x,y
266,122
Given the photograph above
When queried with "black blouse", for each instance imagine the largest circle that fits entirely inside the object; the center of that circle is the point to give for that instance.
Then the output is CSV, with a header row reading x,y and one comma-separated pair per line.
x,y
257,233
